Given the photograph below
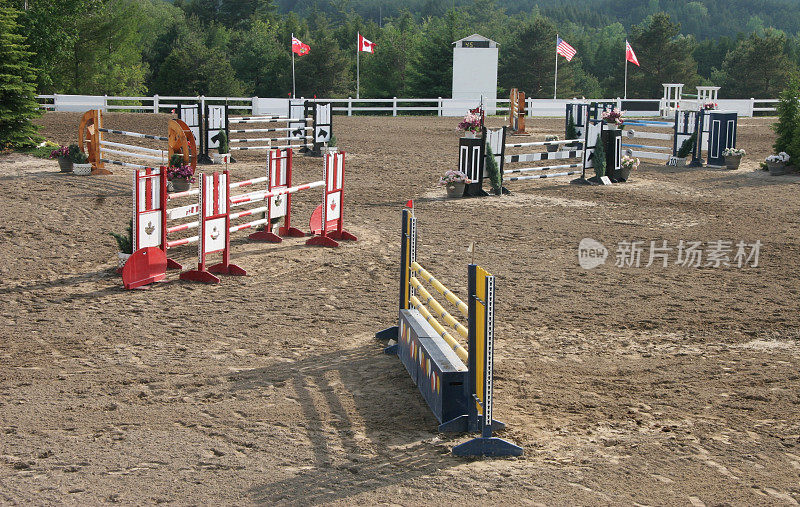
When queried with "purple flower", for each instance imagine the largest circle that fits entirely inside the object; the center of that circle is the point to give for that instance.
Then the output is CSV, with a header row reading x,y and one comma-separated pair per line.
x,y
183,171
61,152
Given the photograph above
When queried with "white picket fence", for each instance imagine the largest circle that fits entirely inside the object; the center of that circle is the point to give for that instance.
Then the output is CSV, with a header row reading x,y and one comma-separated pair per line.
x,y
440,106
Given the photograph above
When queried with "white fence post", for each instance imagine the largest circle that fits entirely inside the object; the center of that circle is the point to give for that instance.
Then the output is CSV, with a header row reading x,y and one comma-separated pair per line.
x,y
752,106
202,100
105,103
253,101
440,107
155,103
394,106
349,106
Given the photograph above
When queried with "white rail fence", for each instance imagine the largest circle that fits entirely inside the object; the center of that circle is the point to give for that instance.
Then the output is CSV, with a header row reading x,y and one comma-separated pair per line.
x,y
396,106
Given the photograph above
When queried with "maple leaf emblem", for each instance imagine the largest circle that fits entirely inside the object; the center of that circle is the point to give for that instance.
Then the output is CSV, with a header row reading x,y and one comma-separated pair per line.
x,y
333,205
214,233
149,228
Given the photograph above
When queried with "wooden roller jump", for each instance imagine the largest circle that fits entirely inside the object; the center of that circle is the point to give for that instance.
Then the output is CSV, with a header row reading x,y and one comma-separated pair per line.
x,y
90,138
456,381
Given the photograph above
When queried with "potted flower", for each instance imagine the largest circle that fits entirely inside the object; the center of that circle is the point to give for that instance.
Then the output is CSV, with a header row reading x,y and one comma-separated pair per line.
x,y
80,162
710,106
626,165
733,157
223,155
64,162
179,174
552,147
614,117
778,164
125,245
454,182
471,125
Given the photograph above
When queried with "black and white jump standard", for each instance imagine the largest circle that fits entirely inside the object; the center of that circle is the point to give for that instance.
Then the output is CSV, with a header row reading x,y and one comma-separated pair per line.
x,y
307,127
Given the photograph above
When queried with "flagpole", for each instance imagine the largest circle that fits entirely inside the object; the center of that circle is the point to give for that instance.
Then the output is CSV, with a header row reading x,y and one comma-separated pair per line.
x,y
358,66
293,84
555,85
626,77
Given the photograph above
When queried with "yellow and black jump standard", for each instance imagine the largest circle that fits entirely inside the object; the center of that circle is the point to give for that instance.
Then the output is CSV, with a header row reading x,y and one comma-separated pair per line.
x,y
455,381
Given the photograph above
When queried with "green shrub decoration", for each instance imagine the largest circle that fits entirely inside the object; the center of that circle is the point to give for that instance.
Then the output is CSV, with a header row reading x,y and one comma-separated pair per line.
x,y
495,176
222,139
599,158
332,142
176,160
687,146
572,132
78,157
125,242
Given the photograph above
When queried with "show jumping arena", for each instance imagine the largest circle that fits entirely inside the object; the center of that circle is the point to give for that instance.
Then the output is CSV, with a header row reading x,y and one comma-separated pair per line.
x,y
653,385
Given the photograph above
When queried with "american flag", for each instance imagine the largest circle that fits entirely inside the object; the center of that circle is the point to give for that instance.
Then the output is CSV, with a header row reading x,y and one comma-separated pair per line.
x,y
564,49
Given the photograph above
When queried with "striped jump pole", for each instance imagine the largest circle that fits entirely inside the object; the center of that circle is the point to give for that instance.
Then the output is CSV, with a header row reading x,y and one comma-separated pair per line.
x,y
544,143
456,381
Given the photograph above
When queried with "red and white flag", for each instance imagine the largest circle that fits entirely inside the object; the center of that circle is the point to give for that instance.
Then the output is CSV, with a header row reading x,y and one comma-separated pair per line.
x,y
564,49
630,55
298,47
365,45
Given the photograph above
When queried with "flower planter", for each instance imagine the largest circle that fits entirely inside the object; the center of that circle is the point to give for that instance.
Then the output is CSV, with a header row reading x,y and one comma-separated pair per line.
x,y
82,169
470,135
180,184
455,189
732,161
625,173
65,164
777,168
552,147
222,158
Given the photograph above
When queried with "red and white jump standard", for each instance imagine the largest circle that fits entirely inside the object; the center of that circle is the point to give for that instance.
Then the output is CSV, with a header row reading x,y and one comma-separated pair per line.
x,y
215,230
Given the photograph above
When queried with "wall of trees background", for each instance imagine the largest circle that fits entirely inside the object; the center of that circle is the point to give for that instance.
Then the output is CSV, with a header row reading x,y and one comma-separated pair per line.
x,y
241,47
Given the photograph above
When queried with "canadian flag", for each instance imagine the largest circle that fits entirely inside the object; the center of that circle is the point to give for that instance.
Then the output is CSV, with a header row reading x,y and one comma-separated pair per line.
x,y
365,45
630,55
298,47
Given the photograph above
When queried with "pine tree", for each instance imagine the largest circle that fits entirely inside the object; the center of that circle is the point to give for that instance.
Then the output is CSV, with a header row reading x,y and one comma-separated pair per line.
x,y
18,103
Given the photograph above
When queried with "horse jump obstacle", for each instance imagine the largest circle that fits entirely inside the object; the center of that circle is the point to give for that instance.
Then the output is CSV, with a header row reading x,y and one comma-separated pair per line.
x,y
307,127
472,157
457,383
215,202
90,138
717,133
516,112
714,129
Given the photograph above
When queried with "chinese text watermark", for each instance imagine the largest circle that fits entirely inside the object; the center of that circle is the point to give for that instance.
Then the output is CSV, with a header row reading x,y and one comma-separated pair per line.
x,y
685,254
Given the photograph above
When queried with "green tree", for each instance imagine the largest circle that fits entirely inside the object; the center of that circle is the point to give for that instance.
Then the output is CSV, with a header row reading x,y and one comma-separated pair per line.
x,y
758,67
431,69
17,90
324,71
664,56
107,58
198,64
787,127
384,74
261,61
52,32
529,63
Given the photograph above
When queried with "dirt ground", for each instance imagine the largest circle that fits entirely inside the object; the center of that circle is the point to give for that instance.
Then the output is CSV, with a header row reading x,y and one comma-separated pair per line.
x,y
650,386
